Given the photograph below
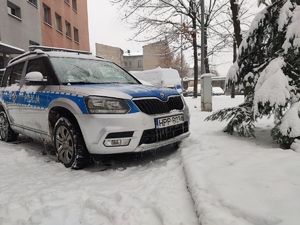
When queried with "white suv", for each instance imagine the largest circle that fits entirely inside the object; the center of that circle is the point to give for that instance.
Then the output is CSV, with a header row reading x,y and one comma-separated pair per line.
x,y
86,106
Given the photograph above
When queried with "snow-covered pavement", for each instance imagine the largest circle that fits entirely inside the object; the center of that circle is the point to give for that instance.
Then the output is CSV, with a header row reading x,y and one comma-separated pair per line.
x,y
37,190
213,179
240,181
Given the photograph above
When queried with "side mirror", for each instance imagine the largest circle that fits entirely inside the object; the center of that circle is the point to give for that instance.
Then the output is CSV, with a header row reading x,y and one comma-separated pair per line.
x,y
35,78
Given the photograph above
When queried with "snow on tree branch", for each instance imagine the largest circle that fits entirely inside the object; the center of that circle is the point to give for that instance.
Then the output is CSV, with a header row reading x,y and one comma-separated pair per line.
x,y
272,86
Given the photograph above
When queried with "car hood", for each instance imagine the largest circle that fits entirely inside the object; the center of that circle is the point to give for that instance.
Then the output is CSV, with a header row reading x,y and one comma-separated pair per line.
x,y
124,91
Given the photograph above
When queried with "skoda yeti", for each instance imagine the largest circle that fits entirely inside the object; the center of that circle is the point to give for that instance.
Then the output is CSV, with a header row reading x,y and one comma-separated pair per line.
x,y
86,106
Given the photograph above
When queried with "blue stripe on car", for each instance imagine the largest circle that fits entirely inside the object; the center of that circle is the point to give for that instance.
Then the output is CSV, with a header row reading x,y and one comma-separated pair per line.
x,y
136,91
42,100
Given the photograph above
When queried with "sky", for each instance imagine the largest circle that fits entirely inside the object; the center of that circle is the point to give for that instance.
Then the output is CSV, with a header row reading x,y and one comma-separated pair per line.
x,y
213,179
106,27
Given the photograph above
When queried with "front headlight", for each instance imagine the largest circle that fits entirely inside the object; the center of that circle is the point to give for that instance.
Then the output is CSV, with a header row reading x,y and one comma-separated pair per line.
x,y
102,105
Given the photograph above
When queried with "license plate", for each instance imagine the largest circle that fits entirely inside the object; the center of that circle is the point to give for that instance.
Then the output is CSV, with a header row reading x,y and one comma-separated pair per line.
x,y
169,121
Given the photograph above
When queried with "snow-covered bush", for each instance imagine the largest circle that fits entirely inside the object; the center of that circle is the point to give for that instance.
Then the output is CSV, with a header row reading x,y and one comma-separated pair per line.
x,y
268,71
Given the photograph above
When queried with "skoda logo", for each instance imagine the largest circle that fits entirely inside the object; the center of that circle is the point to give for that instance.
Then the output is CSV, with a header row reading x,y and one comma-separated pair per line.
x,y
163,95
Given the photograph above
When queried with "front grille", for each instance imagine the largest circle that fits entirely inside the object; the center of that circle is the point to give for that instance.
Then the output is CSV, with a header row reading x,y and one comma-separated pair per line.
x,y
162,134
155,106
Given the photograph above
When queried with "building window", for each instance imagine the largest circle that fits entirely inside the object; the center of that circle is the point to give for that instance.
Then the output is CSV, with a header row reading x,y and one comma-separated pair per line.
x,y
33,2
58,24
74,5
47,14
68,29
129,64
13,10
68,2
125,64
140,64
76,35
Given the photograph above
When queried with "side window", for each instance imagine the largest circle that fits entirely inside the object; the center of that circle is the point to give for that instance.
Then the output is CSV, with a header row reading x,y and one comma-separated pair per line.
x,y
6,76
37,65
16,74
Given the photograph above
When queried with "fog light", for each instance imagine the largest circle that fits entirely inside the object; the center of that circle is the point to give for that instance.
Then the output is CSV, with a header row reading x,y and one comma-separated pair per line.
x,y
116,142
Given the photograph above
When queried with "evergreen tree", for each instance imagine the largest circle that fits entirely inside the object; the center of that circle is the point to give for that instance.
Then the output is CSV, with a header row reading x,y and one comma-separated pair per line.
x,y
267,70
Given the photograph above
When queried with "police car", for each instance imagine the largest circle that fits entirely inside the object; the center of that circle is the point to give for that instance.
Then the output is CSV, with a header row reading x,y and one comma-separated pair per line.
x,y
86,106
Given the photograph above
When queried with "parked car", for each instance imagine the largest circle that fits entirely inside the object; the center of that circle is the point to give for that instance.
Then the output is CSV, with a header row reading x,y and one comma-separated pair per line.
x,y
190,91
217,91
86,106
160,77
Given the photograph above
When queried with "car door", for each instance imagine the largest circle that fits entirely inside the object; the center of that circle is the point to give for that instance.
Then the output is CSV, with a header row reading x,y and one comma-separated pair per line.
x,y
35,100
11,83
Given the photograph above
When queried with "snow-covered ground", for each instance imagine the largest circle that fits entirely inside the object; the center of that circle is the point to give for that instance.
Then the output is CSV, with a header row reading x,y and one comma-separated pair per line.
x,y
212,179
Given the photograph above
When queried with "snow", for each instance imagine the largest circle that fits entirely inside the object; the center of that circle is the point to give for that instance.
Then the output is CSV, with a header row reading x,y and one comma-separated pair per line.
x,y
293,30
217,91
272,86
290,123
161,77
133,54
212,179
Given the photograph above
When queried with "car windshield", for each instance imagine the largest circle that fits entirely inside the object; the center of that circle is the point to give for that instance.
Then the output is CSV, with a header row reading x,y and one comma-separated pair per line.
x,y
89,71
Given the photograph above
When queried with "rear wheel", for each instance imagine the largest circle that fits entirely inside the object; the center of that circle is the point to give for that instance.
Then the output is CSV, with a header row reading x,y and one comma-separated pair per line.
x,y
6,133
69,144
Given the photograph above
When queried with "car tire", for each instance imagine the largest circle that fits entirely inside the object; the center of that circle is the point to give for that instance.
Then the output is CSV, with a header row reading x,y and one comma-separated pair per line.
x,y
69,144
6,133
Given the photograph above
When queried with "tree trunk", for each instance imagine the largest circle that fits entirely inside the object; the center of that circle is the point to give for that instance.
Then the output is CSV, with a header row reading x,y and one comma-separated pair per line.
x,y
234,58
194,35
236,22
237,34
206,62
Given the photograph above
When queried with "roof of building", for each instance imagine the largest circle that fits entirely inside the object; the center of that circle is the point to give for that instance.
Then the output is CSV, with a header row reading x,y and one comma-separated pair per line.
x,y
132,54
9,49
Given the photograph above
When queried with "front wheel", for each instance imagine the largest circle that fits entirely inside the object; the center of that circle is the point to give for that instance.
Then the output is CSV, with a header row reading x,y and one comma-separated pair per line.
x,y
69,144
6,133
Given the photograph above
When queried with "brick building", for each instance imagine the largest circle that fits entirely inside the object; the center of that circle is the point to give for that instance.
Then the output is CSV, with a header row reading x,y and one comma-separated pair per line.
x,y
152,53
147,60
111,53
56,23
64,24
133,61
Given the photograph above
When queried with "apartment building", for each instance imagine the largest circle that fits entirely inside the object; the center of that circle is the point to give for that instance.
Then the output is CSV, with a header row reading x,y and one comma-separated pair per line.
x,y
111,53
64,24
152,54
133,61
19,27
57,23
137,61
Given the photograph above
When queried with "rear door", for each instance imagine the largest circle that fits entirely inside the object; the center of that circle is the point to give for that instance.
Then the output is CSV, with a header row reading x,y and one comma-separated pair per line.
x,y
11,83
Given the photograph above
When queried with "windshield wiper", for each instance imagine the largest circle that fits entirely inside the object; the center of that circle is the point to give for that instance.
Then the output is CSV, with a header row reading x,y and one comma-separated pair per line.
x,y
78,82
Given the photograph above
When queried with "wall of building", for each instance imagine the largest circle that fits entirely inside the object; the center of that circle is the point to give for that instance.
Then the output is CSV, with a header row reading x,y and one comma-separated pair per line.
x,y
133,62
19,31
148,60
152,54
77,18
113,54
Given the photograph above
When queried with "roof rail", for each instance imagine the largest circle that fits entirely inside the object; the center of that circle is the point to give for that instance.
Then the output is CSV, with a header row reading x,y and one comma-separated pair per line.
x,y
21,56
54,49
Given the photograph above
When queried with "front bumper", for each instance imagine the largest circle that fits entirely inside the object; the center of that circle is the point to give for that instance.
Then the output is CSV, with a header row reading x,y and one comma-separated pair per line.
x,y
138,128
